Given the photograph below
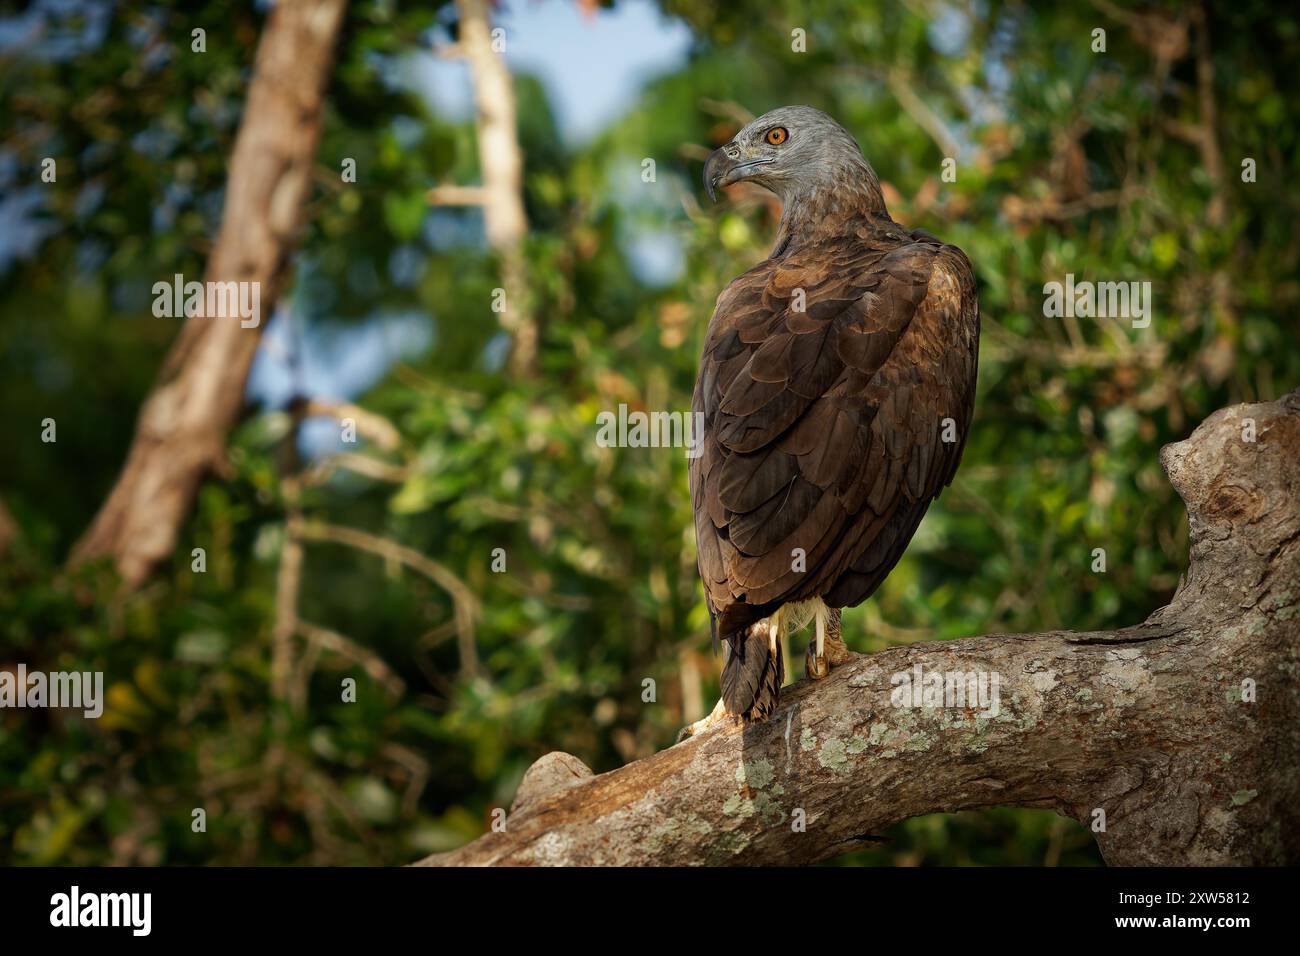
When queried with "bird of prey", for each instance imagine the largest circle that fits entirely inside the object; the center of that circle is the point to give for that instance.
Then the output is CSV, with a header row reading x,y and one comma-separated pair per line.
x,y
836,386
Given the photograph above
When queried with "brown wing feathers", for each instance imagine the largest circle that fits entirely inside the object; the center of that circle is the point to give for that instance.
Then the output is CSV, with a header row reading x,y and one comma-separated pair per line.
x,y
823,426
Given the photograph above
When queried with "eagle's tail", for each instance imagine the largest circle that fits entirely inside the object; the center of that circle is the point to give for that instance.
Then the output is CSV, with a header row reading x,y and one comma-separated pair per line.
x,y
754,670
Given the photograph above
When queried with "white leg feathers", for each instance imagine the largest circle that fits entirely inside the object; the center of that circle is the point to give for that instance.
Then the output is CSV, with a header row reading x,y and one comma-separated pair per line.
x,y
815,663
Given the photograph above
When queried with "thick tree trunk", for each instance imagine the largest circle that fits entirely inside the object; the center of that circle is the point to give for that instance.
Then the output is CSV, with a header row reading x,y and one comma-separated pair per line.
x,y
1181,734
183,424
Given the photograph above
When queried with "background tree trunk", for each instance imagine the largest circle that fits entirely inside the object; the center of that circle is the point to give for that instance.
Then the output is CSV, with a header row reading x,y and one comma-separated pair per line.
x,y
182,429
1181,733
501,165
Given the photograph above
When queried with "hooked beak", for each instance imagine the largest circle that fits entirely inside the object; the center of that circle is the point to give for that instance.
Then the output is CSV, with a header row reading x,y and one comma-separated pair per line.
x,y
722,170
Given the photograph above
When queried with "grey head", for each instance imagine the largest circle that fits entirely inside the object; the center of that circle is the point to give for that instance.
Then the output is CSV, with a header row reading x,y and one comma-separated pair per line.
x,y
797,152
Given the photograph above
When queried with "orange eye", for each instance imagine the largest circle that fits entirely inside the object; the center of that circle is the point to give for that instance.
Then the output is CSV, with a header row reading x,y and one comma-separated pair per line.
x,y
777,135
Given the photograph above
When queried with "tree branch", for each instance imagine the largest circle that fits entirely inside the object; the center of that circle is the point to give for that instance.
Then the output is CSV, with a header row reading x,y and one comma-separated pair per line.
x,y
181,433
1181,732
501,162
465,607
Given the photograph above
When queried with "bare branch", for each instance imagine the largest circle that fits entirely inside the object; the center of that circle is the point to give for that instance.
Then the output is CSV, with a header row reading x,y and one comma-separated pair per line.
x,y
370,424
921,113
349,649
287,587
727,109
501,162
464,603
451,195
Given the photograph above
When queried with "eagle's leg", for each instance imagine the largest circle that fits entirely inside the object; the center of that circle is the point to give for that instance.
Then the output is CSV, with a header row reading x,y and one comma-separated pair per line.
x,y
716,716
827,649
764,697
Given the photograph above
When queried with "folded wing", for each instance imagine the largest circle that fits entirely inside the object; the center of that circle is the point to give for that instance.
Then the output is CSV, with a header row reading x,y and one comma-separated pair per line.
x,y
836,386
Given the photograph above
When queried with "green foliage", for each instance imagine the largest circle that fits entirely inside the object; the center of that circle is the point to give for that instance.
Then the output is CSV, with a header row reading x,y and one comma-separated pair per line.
x,y
1067,161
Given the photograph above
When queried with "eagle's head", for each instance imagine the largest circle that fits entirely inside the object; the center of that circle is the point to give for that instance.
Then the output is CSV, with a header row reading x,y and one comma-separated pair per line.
x,y
796,152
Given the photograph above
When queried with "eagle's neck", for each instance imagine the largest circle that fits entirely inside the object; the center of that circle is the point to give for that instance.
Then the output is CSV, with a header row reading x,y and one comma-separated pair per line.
x,y
819,211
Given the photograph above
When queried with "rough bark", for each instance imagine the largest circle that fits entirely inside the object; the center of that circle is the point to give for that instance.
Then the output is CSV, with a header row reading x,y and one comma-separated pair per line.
x,y
1156,724
183,424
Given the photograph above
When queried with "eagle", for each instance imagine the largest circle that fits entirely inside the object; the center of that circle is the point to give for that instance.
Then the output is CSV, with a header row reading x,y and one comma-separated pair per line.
x,y
836,390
